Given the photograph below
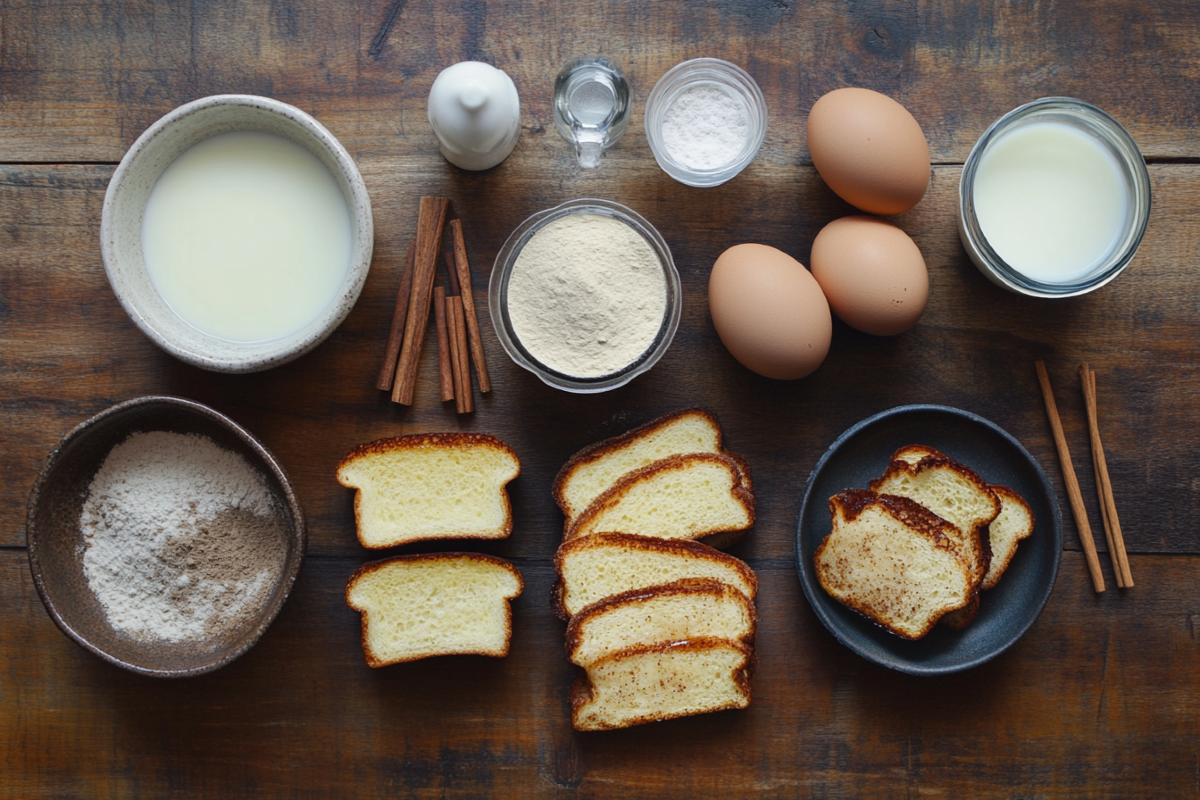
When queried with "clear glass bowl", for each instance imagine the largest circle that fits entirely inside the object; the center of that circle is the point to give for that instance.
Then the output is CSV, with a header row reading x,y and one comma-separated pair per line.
x,y
1110,133
498,297
698,72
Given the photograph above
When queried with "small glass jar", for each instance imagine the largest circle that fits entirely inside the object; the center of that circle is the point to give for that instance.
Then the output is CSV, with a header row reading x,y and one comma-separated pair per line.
x,y
1093,123
506,259
699,72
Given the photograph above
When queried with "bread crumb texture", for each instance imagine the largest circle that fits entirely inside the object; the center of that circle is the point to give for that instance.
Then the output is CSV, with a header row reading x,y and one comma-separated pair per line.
x,y
439,604
603,565
430,486
680,497
594,469
891,560
686,609
643,684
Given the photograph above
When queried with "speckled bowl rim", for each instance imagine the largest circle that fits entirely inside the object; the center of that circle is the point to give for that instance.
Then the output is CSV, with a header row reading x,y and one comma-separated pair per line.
x,y
288,348
268,615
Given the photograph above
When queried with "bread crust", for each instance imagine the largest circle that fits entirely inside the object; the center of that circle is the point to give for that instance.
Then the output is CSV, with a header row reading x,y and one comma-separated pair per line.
x,y
677,547
722,537
414,440
366,569
583,691
600,449
448,440
683,586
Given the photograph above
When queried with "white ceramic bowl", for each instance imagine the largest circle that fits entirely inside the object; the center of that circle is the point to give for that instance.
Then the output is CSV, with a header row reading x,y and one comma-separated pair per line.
x,y
125,206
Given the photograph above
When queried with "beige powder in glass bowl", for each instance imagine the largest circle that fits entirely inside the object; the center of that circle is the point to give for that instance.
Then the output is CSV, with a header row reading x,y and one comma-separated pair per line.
x,y
585,295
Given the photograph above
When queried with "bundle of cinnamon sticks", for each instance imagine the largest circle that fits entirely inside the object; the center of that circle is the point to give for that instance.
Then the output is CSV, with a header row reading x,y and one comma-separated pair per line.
x,y
457,326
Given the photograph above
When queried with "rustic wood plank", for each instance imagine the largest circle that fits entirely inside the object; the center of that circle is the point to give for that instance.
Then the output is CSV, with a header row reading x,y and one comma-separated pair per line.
x,y
71,351
1100,698
80,81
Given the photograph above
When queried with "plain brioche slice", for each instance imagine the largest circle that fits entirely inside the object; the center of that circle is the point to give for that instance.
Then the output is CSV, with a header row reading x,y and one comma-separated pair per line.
x,y
892,561
953,492
430,486
692,496
606,564
651,683
591,471
686,609
432,605
1014,523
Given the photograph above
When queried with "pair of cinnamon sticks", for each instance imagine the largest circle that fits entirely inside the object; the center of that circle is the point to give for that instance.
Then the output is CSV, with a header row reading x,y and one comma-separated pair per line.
x,y
1108,508
459,341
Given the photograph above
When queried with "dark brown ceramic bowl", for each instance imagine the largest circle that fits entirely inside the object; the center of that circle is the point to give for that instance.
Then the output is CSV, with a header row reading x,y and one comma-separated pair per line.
x,y
56,542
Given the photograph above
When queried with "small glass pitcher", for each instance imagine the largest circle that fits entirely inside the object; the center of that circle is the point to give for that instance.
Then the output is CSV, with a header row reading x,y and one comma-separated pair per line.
x,y
591,106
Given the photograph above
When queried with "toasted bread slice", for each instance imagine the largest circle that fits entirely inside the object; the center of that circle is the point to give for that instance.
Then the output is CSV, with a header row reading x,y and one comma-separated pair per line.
x,y
651,683
1014,523
960,618
692,496
606,564
591,471
686,609
892,561
953,492
435,604
430,486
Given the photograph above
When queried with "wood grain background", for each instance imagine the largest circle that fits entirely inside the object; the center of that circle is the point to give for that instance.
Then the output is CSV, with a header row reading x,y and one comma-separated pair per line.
x,y
1101,698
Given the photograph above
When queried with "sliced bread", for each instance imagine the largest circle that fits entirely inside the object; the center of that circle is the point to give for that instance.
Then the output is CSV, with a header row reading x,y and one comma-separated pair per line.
x,y
591,471
430,486
650,683
595,567
434,604
1014,523
954,493
691,496
893,561
686,609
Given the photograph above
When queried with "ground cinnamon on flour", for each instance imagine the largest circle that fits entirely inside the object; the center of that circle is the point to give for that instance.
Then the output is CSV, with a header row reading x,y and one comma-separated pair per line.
x,y
179,537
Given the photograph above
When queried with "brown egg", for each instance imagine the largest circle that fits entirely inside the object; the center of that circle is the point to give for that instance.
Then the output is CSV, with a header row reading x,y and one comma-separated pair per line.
x,y
869,149
769,311
872,274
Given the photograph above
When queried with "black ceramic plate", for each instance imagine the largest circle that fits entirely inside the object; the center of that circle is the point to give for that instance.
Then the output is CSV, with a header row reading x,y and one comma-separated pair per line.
x,y
1006,612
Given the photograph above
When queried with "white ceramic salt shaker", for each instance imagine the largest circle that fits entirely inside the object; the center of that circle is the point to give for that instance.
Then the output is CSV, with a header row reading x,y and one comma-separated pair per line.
x,y
475,113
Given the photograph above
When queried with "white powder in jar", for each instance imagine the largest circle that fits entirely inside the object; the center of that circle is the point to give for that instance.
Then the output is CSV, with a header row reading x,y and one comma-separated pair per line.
x,y
179,537
587,295
705,127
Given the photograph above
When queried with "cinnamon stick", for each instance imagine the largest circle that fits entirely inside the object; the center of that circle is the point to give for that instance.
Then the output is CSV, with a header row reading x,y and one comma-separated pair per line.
x,y
464,359
468,302
463,400
1108,505
452,271
455,356
430,222
443,344
387,373
1112,548
1073,493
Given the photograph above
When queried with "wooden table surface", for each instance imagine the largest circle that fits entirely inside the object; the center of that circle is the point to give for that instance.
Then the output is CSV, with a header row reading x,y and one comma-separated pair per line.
x,y
1101,698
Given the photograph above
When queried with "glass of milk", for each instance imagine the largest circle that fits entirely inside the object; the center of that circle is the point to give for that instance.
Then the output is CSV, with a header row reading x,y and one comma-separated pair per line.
x,y
1054,199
